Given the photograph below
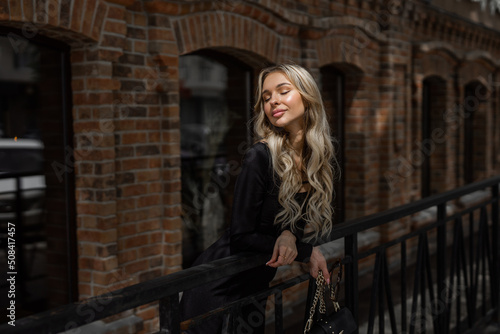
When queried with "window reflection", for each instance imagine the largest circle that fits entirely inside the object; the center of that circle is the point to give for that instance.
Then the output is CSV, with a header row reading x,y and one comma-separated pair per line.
x,y
213,137
32,137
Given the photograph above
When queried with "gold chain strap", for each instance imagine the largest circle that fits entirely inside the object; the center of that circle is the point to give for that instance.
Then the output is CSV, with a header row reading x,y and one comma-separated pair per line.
x,y
318,295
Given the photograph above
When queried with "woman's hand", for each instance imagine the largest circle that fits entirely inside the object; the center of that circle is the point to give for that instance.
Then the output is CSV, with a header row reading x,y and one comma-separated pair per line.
x,y
317,263
285,250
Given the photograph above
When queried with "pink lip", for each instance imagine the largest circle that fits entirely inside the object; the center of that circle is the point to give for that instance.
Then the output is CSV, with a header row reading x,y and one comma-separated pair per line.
x,y
278,112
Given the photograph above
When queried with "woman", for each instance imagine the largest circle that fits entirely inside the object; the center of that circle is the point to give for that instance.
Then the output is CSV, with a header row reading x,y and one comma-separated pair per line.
x,y
286,183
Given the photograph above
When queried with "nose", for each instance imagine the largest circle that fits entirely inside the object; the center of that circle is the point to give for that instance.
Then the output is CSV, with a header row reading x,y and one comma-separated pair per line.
x,y
274,100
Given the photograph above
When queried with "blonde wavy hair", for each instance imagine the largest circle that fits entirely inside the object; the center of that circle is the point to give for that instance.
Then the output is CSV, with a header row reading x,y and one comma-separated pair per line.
x,y
317,156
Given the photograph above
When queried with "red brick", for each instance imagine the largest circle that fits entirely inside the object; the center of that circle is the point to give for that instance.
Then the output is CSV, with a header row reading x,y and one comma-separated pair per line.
x,y
28,10
15,10
134,138
117,27
84,276
131,164
102,84
136,267
96,236
133,190
88,16
171,261
125,204
172,249
116,12
154,162
149,250
84,290
155,237
125,3
172,223
140,46
172,237
53,8
149,175
76,17
148,226
78,85
135,241
173,211
148,314
127,256
125,230
87,249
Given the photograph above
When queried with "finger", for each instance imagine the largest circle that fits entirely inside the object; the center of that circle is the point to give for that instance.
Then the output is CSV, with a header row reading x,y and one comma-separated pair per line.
x,y
326,274
279,262
293,256
314,272
274,257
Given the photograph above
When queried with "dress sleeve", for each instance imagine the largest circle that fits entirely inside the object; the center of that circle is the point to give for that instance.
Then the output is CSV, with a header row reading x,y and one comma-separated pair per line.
x,y
304,249
249,194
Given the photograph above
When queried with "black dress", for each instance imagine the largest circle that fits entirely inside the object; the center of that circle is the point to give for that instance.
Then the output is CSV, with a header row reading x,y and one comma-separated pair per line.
x,y
252,230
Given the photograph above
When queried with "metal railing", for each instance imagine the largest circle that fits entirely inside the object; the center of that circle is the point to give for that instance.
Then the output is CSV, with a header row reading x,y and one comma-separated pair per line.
x,y
462,262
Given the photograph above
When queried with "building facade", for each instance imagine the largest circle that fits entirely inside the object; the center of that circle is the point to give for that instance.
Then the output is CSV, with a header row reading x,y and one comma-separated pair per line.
x,y
142,110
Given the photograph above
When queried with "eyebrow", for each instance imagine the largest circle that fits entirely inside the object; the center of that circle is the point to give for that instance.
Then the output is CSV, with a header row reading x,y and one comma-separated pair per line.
x,y
277,86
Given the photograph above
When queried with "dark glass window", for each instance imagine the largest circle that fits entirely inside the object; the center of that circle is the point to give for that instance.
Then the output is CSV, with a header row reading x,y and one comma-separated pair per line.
x,y
35,133
475,132
434,104
214,112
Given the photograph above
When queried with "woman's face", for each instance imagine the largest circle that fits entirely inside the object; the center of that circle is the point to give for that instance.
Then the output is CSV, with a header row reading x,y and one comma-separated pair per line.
x,y
282,102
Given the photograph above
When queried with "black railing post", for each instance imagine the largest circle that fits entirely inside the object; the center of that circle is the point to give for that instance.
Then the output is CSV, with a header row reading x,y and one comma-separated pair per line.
x,y
20,258
495,213
351,275
170,315
441,267
278,312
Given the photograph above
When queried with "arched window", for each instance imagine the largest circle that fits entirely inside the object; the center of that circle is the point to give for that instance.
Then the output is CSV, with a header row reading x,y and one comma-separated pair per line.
x,y
475,131
434,103
215,108
36,139
333,91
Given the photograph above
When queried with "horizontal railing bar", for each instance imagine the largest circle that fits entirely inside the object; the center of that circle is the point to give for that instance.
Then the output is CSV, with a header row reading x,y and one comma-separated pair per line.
x,y
244,301
421,230
470,209
366,222
136,295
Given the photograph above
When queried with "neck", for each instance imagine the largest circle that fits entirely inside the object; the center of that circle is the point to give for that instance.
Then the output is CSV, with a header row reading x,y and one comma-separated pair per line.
x,y
296,139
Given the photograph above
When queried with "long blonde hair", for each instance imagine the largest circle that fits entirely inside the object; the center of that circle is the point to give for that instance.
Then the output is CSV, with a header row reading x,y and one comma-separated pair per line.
x,y
318,155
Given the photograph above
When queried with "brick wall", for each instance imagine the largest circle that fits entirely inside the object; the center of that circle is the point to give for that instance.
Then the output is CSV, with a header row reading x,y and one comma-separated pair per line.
x,y
125,55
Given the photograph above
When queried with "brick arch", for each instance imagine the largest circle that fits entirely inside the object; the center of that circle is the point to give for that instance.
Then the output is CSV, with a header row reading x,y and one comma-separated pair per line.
x,y
440,47
347,46
222,30
482,56
75,24
435,63
477,69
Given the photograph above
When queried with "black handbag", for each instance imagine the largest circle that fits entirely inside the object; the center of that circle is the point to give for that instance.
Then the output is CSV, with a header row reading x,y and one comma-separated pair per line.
x,y
341,321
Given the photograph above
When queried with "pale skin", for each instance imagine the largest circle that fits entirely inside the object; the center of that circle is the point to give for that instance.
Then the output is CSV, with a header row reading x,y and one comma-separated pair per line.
x,y
284,108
